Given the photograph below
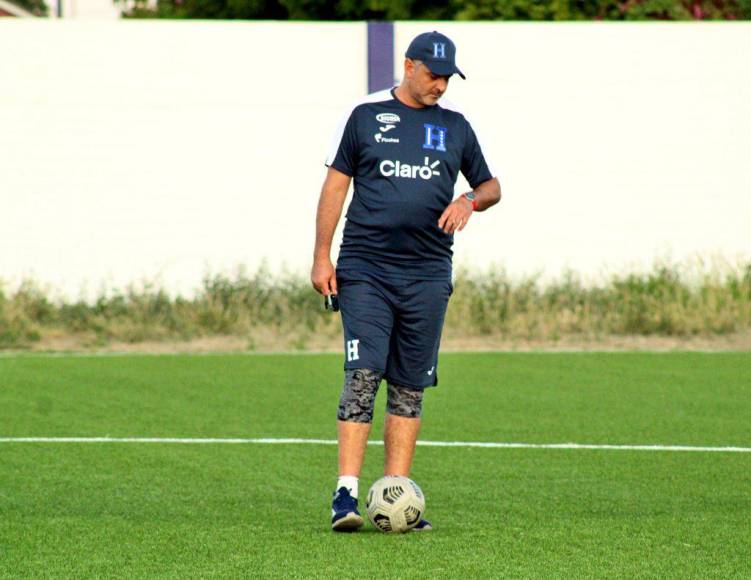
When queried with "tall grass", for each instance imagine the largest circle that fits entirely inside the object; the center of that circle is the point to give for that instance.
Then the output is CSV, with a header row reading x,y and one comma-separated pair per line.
x,y
675,300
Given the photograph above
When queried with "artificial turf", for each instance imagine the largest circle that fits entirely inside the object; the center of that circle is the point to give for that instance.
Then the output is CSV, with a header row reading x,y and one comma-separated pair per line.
x,y
170,510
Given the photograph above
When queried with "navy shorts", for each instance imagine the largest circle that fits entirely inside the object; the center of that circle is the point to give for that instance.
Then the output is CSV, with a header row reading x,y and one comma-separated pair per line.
x,y
393,326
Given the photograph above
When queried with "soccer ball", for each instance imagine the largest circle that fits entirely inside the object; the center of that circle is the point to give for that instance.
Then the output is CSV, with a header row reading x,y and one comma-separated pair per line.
x,y
395,504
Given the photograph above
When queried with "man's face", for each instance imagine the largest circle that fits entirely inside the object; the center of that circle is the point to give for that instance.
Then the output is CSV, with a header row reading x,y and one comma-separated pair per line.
x,y
426,88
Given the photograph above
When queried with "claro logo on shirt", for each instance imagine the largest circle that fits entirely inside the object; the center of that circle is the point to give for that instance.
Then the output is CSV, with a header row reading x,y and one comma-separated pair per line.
x,y
390,168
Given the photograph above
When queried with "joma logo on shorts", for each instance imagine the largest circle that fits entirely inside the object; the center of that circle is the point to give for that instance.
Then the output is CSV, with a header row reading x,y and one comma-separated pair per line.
x,y
398,169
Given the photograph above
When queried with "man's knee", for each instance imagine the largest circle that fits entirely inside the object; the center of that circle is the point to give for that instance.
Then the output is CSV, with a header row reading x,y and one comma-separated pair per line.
x,y
358,396
404,401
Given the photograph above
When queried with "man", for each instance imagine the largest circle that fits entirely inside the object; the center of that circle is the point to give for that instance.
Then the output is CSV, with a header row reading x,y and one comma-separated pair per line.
x,y
393,276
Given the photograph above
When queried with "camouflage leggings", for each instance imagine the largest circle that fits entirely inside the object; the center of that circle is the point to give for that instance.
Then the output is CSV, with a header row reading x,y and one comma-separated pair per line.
x,y
358,397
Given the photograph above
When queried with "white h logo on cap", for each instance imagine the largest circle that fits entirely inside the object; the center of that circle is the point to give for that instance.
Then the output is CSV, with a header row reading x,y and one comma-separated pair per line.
x,y
439,50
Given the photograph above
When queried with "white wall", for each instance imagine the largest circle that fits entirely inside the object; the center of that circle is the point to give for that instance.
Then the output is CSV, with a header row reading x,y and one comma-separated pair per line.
x,y
167,149
617,142
86,9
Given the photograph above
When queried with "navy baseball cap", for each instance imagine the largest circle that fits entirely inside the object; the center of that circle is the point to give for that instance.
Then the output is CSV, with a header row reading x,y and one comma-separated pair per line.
x,y
437,52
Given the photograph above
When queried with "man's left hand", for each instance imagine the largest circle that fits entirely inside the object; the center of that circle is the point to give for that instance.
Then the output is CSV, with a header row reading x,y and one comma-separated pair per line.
x,y
456,215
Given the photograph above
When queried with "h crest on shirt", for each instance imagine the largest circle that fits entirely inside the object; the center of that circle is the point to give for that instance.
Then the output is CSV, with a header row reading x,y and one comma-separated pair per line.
x,y
435,137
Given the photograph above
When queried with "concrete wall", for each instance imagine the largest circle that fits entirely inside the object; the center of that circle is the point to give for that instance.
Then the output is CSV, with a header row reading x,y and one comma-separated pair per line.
x,y
167,149
617,142
86,9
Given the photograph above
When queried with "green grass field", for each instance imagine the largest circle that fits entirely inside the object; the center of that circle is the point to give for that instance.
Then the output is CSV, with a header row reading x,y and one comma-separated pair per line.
x,y
137,510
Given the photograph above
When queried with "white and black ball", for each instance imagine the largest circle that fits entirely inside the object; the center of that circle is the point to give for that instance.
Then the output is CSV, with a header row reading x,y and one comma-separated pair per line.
x,y
395,504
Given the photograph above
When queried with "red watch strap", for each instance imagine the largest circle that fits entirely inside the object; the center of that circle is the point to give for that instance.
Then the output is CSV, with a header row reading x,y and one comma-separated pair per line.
x,y
472,201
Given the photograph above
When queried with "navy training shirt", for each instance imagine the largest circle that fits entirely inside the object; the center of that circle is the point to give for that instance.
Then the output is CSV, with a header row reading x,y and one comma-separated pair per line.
x,y
405,162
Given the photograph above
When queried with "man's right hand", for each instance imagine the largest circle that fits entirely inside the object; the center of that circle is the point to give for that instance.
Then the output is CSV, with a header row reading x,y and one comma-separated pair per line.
x,y
323,276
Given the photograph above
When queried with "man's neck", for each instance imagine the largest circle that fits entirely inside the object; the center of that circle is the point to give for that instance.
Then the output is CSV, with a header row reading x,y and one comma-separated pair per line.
x,y
403,95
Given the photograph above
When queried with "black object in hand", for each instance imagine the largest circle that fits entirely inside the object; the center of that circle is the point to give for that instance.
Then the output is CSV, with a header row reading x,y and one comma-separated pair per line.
x,y
331,302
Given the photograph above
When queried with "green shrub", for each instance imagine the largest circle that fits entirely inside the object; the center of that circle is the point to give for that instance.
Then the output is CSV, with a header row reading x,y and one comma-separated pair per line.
x,y
670,300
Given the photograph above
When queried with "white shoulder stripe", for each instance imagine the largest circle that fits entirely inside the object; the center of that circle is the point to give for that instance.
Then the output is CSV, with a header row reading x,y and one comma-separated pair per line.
x,y
446,104
383,95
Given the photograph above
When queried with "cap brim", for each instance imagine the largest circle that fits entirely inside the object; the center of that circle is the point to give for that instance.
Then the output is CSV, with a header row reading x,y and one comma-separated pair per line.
x,y
444,69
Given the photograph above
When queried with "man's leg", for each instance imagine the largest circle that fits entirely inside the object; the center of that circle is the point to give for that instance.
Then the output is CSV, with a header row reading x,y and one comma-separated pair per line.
x,y
403,412
402,428
400,438
355,417
413,357
367,319
353,440
413,360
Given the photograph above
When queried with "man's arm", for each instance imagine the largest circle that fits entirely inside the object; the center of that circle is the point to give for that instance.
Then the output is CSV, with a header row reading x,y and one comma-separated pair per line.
x,y
333,194
458,212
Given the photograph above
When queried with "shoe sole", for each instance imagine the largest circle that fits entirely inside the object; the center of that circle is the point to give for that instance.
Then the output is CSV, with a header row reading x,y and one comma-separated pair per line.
x,y
348,523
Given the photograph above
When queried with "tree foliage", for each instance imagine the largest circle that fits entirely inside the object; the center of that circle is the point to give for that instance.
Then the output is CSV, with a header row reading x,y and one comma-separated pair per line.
x,y
36,7
441,9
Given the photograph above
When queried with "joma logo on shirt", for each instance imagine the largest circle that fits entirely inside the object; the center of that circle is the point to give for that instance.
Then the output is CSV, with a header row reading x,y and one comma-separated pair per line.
x,y
398,169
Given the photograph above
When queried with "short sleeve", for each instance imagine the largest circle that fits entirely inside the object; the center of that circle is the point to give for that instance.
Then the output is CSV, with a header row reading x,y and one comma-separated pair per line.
x,y
343,154
474,165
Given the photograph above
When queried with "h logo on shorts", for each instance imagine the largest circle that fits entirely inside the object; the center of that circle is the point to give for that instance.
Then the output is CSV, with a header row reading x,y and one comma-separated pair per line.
x,y
352,353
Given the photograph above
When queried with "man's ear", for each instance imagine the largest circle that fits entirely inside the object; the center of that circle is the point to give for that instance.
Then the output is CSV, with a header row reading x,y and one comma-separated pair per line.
x,y
409,68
